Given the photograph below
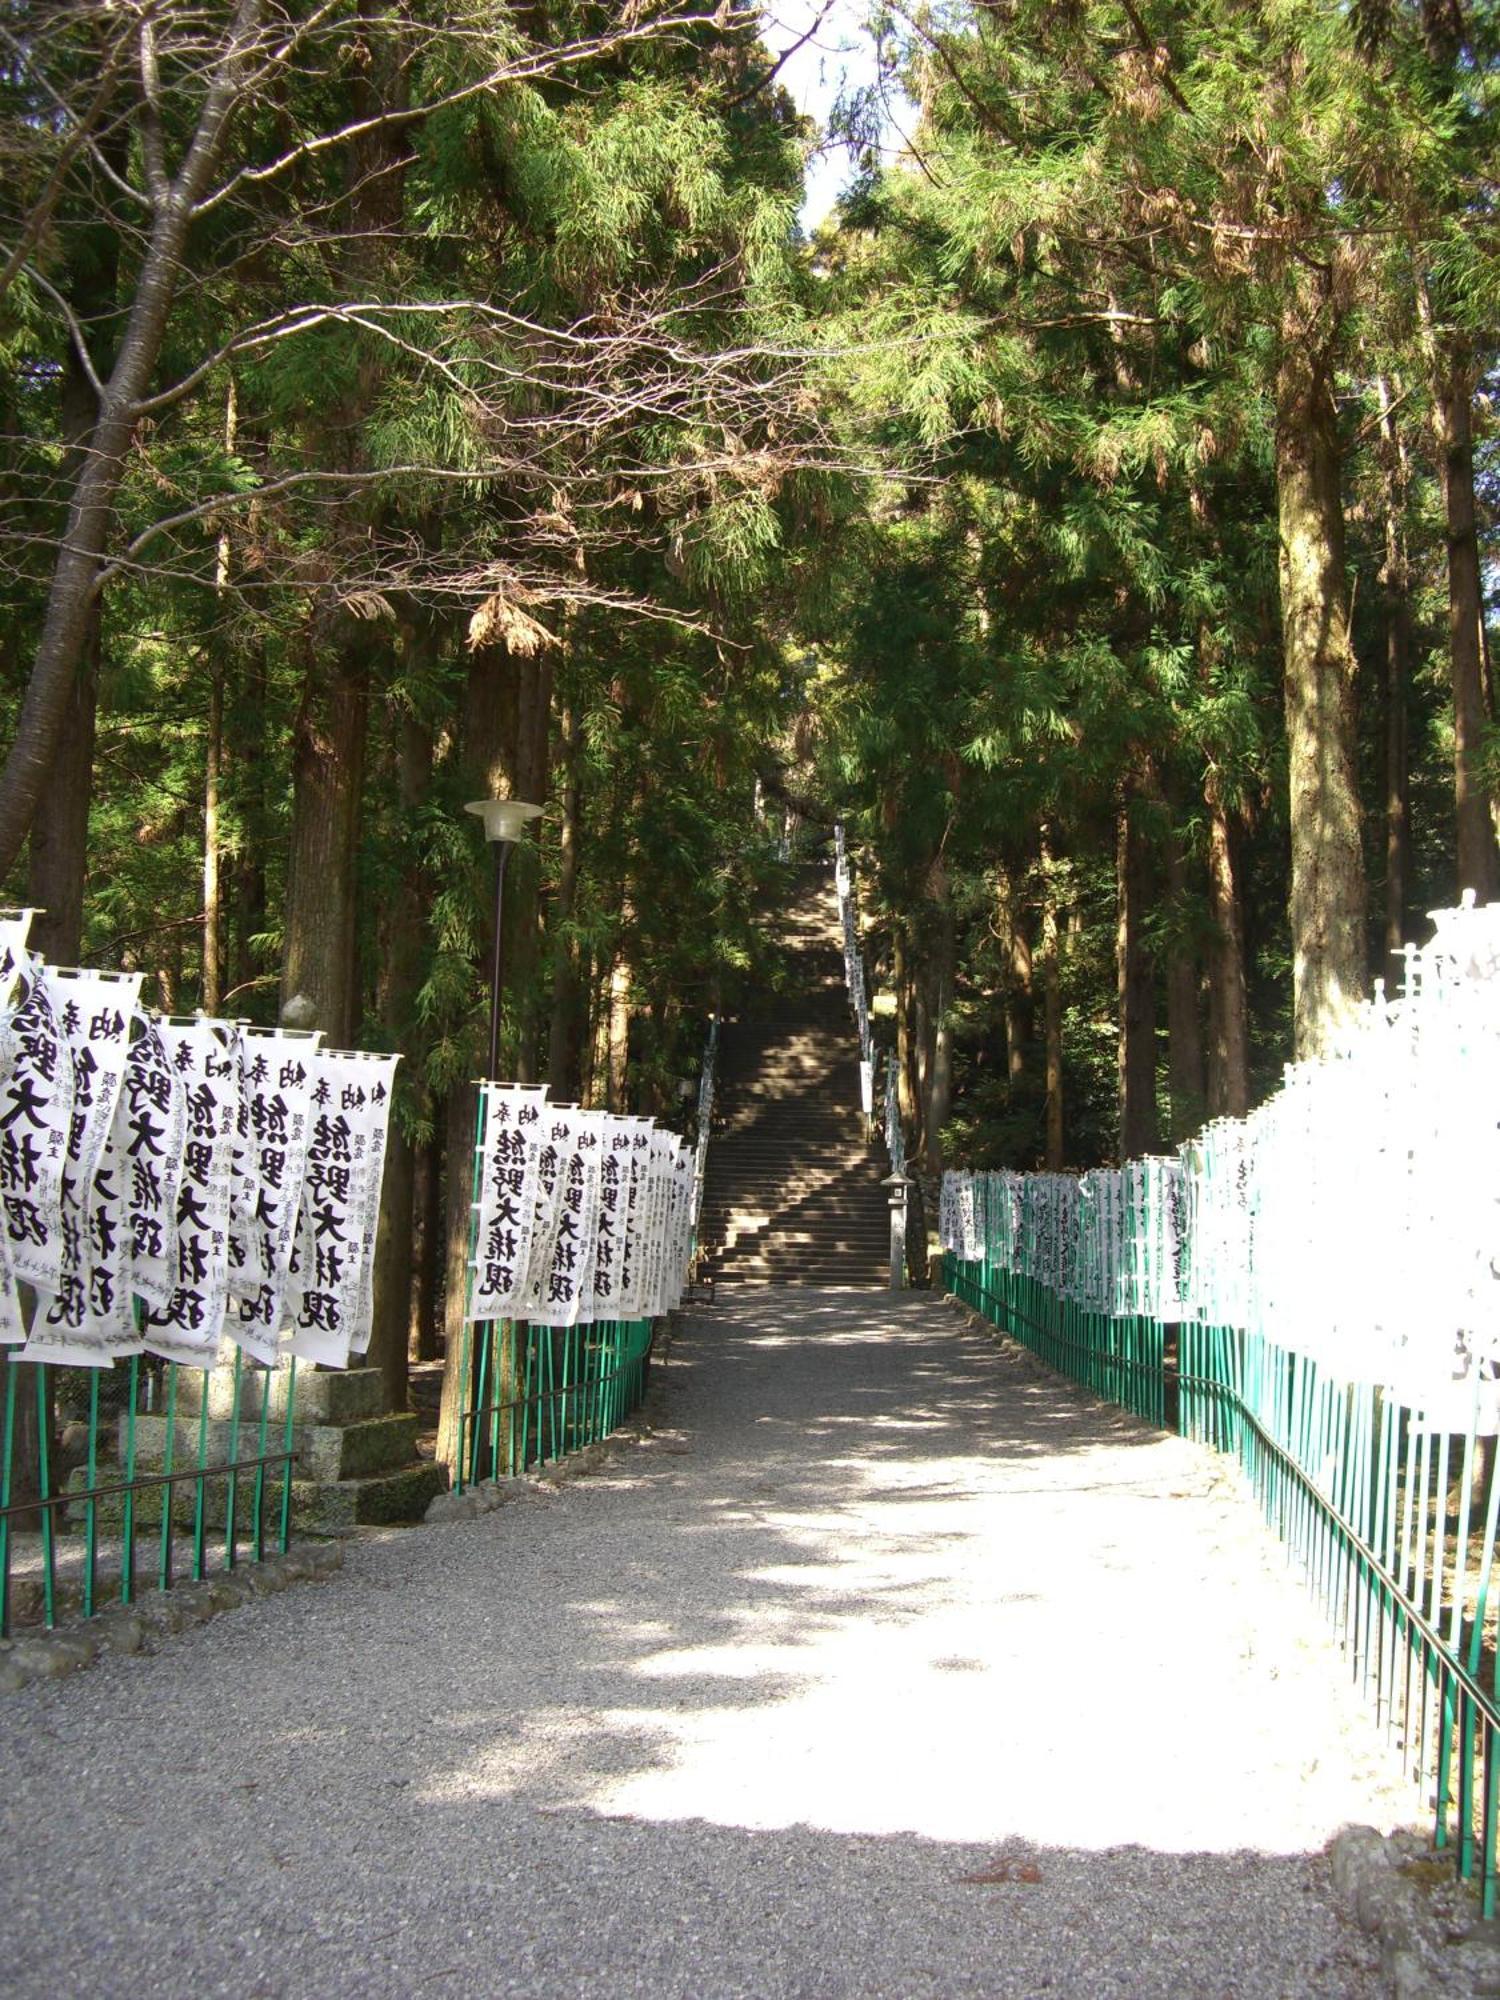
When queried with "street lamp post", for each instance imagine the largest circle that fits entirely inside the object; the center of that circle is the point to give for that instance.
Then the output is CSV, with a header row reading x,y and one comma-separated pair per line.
x,y
505,822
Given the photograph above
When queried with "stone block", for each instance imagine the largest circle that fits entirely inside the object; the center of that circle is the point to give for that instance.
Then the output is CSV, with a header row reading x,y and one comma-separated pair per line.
x,y
338,1507
110,1511
346,1396
323,1451
355,1450
322,1396
220,1442
1478,1963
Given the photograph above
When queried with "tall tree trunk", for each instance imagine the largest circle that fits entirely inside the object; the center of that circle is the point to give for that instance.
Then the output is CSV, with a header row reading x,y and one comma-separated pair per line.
x,y
617,1068
1453,419
1184,1019
328,766
908,1094
57,859
71,596
532,781
1137,987
939,1097
458,1178
1396,604
402,957
57,853
920,984
1052,1013
565,1031
1015,945
1397,780
250,775
1228,1059
212,982
428,1208
593,1083
1327,903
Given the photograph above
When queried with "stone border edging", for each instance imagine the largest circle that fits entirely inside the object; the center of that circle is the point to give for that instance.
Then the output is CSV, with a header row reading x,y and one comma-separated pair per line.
x,y
138,1627
1410,1899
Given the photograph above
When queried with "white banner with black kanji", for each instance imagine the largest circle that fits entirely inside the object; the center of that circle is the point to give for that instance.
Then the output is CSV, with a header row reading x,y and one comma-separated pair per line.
x,y
329,1280
562,1279
276,1092
187,1327
506,1209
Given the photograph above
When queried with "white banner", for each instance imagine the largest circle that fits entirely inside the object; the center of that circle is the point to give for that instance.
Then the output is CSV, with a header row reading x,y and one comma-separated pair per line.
x,y
276,1081
328,1284
93,1011
507,1198
91,1318
578,1136
85,1316
555,1135
149,1134
614,1210
187,1328
1352,1219
637,1221
15,927
36,1116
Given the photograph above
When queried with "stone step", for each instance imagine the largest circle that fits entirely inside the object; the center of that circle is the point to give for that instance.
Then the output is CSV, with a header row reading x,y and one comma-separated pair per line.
x,y
323,1451
771,1190
841,1282
839,1228
319,1506
847,1273
338,1507
768,1243
323,1396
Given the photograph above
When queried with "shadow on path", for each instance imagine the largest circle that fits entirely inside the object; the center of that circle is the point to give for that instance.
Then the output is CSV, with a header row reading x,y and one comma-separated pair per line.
x,y
875,1610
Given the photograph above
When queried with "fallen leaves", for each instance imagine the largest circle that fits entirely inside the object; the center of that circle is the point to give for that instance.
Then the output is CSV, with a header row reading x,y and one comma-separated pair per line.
x,y
1005,1871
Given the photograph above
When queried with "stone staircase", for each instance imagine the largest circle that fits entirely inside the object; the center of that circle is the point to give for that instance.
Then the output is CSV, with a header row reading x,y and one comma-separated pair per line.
x,y
793,1194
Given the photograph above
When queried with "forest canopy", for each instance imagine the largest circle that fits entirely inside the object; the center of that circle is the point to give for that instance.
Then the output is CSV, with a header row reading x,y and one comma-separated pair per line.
x,y
408,403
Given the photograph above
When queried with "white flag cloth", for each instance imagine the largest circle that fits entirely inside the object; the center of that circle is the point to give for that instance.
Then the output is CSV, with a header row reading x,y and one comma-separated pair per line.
x,y
150,1131
187,1328
276,1082
36,1116
566,1293
633,1259
14,963
555,1135
85,1314
328,1285
614,1211
90,1318
508,1172
15,927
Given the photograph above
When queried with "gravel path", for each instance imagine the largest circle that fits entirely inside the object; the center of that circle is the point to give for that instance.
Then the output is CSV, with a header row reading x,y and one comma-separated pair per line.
x,y
875,1611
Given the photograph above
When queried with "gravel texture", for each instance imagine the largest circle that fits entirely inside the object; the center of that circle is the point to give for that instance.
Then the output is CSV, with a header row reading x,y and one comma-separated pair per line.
x,y
880,1665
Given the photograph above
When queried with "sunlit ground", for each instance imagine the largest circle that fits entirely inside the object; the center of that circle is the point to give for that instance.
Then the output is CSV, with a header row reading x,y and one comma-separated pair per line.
x,y
947,1600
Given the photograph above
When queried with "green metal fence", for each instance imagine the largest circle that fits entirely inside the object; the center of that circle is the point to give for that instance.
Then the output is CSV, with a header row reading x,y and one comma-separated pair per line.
x,y
105,1525
540,1392
1391,1519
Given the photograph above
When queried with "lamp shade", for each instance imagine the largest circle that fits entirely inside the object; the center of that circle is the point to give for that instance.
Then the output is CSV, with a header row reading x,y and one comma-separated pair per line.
x,y
504,819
